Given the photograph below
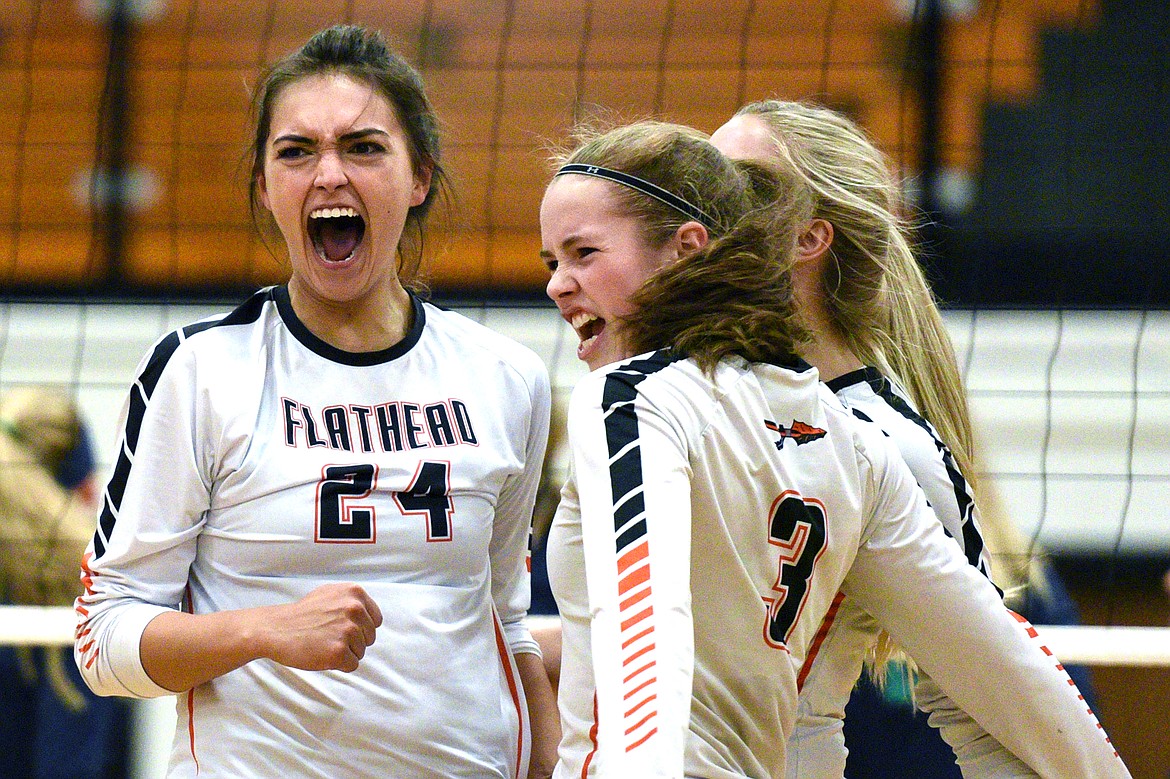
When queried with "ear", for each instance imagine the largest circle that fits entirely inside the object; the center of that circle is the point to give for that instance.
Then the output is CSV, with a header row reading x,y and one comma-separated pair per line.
x,y
262,190
422,185
815,241
690,237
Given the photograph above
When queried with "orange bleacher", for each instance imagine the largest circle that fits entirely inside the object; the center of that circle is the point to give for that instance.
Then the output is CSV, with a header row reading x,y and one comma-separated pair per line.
x,y
507,79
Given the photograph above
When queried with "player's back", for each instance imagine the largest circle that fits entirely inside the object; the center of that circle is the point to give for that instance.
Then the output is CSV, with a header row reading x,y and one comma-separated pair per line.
x,y
782,496
776,479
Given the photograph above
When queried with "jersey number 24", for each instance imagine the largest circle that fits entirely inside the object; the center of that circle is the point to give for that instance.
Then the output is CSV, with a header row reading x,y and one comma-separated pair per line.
x,y
343,517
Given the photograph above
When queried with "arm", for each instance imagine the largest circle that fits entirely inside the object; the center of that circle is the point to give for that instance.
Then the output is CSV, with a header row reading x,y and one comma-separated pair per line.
x,y
951,620
511,581
978,754
131,638
547,633
328,629
542,713
636,521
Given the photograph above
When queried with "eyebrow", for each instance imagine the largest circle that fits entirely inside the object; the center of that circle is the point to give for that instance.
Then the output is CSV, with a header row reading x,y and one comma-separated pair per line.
x,y
572,240
350,136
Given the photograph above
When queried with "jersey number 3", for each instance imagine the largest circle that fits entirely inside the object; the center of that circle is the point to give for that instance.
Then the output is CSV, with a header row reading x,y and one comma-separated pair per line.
x,y
797,526
343,517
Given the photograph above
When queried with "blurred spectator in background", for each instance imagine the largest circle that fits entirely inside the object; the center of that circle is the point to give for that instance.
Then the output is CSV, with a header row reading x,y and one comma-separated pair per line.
x,y
1166,583
51,725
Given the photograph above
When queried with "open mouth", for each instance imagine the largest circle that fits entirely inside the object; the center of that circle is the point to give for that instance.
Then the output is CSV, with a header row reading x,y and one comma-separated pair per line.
x,y
588,327
336,233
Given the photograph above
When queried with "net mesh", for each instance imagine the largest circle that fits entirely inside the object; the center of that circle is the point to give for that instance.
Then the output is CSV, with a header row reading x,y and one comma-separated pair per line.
x,y
507,79
1071,406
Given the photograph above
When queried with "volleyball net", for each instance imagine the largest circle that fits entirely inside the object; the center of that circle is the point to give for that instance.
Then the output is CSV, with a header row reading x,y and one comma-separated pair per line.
x,y
121,181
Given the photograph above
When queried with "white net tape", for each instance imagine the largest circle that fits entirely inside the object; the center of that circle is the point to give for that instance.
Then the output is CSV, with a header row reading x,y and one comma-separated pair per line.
x,y
1074,645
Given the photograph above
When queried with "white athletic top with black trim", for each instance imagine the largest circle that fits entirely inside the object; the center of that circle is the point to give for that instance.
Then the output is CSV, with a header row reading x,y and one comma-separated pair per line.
x,y
817,748
706,529
258,463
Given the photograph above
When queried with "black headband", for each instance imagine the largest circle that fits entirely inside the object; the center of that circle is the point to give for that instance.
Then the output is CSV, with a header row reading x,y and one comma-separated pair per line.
x,y
643,186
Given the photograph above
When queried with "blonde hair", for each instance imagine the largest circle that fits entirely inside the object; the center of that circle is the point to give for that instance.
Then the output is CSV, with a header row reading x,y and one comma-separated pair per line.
x,y
880,302
879,297
43,420
44,527
734,295
877,292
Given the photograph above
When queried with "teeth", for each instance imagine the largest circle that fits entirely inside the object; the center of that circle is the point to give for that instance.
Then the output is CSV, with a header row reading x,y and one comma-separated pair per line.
x,y
332,213
580,319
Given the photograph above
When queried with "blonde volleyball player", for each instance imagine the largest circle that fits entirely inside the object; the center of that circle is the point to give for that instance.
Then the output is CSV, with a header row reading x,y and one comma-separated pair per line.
x,y
880,343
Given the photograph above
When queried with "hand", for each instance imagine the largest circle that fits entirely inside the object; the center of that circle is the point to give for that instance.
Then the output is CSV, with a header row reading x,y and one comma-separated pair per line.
x,y
328,629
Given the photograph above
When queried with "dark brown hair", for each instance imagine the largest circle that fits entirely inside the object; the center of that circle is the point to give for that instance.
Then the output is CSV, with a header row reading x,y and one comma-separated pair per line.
x,y
364,56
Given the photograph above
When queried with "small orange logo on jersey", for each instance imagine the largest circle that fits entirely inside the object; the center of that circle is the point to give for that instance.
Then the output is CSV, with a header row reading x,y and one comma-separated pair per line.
x,y
799,432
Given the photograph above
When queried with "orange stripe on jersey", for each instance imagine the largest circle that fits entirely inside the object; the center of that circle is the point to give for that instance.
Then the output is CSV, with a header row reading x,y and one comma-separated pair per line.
x,y
640,687
633,578
819,640
1027,625
640,704
90,660
189,607
1059,668
636,636
639,724
638,654
634,599
634,620
87,573
506,661
639,552
642,740
592,739
635,674
191,726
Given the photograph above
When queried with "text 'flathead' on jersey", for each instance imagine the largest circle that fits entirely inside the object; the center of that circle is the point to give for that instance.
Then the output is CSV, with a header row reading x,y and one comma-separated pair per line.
x,y
800,432
389,427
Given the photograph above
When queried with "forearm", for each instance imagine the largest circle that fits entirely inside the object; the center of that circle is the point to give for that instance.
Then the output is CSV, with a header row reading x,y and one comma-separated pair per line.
x,y
180,651
542,714
328,629
978,754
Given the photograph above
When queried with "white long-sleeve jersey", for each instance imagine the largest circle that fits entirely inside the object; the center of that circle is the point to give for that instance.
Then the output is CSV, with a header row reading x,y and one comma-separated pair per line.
x,y
707,528
258,463
817,748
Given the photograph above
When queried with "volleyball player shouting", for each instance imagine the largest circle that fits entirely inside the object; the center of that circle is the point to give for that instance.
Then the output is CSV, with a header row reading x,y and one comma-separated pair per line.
x,y
335,481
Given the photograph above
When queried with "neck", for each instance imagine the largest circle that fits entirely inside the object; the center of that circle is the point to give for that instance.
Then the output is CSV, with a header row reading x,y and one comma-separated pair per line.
x,y
831,357
365,325
828,351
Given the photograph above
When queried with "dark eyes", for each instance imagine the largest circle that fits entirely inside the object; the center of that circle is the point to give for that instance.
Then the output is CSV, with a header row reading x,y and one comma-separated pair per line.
x,y
290,153
367,147
358,148
579,253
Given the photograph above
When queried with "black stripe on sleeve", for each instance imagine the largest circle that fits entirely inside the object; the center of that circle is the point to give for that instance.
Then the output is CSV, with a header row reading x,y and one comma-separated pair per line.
x,y
621,433
140,395
972,539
